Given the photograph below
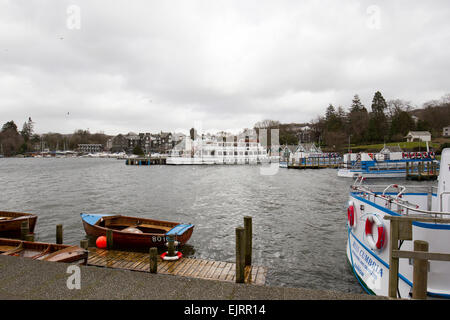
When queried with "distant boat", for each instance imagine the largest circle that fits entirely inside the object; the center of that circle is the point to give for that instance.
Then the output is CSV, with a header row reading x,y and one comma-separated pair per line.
x,y
135,232
216,151
384,164
11,222
43,251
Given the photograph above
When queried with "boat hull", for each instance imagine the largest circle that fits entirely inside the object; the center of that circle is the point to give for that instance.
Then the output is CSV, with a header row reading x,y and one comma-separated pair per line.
x,y
36,250
11,228
371,267
135,240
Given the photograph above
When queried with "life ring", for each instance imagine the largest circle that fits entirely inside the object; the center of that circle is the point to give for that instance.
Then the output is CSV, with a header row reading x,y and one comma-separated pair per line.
x,y
351,214
381,239
177,256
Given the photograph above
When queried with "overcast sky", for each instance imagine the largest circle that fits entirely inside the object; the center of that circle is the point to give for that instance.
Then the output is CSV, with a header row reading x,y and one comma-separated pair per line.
x,y
147,66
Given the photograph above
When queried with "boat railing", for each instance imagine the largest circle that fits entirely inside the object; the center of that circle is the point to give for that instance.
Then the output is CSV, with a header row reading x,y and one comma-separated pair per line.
x,y
397,199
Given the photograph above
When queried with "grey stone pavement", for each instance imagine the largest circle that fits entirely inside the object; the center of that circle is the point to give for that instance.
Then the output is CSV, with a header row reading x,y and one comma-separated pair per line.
x,y
22,278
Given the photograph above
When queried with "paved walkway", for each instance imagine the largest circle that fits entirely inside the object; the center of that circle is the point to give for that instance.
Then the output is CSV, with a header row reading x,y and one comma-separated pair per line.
x,y
22,278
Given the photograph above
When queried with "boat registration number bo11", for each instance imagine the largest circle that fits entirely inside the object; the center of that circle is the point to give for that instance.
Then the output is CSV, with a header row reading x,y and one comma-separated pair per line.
x,y
159,239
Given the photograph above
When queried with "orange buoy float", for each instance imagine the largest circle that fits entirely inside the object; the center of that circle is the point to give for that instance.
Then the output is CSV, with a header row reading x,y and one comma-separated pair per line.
x,y
101,242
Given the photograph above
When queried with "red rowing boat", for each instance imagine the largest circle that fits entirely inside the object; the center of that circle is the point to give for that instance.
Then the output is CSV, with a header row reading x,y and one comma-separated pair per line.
x,y
11,222
43,251
135,232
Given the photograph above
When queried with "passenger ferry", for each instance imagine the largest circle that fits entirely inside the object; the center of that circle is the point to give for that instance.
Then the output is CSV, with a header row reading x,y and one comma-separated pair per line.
x,y
368,232
384,164
220,151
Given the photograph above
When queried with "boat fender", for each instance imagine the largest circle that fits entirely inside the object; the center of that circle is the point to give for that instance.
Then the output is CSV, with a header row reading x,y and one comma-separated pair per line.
x,y
351,214
381,230
177,256
101,242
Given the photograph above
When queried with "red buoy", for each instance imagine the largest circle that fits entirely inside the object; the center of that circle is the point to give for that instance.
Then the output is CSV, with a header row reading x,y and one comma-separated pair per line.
x,y
101,242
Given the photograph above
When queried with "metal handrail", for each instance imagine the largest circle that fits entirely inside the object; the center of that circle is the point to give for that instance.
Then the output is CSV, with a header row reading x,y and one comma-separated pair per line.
x,y
397,201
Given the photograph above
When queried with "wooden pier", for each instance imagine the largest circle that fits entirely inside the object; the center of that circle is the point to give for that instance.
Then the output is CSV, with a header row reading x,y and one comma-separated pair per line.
x,y
426,170
145,161
185,267
315,163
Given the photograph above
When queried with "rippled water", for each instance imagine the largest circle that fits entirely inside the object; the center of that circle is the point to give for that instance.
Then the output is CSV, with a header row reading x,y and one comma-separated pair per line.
x,y
299,216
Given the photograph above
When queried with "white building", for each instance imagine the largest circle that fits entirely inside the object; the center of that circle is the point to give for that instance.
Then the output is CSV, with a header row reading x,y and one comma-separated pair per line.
x,y
446,131
418,136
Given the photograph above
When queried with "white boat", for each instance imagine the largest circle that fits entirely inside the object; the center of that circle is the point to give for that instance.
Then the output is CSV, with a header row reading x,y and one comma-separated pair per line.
x,y
368,232
219,151
384,164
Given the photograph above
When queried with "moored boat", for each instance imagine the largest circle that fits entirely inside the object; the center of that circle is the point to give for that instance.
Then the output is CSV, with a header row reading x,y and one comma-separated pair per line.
x,y
384,164
135,232
43,251
368,232
10,223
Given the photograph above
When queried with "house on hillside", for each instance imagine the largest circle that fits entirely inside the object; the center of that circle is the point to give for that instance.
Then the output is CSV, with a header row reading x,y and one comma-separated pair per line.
x,y
446,131
418,136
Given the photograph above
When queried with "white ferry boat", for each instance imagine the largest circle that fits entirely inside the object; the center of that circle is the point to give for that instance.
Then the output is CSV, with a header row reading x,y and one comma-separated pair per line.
x,y
368,233
220,151
384,164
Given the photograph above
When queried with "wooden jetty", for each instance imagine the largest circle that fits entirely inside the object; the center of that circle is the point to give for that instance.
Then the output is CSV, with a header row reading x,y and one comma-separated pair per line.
x,y
145,161
315,163
185,267
424,170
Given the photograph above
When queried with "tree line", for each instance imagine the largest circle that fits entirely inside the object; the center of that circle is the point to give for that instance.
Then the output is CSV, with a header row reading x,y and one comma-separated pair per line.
x,y
13,141
385,121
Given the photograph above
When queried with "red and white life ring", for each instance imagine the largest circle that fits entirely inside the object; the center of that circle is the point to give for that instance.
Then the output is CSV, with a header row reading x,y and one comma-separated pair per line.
x,y
177,256
381,230
351,214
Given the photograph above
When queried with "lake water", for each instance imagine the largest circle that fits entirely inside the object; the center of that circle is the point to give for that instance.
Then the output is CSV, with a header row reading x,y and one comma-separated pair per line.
x,y
299,216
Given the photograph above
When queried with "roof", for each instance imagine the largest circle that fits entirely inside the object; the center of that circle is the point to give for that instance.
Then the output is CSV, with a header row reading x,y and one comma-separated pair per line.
x,y
388,149
419,133
290,147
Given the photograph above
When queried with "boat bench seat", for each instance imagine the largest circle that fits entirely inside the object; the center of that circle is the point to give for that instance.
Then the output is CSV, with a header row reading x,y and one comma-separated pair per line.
x,y
179,229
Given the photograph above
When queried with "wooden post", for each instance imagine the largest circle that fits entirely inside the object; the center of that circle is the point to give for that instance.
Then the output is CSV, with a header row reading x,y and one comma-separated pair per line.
x,y
59,234
170,246
109,239
24,229
154,260
84,244
29,237
420,272
407,169
393,262
248,240
240,271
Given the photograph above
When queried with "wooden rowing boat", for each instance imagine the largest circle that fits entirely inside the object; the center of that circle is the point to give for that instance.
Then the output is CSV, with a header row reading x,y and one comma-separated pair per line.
x,y
135,232
43,251
10,223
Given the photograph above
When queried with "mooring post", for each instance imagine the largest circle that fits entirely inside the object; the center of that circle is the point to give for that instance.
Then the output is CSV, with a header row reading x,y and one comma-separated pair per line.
x,y
109,239
248,240
84,244
29,237
59,233
154,260
420,272
240,263
393,262
24,229
170,246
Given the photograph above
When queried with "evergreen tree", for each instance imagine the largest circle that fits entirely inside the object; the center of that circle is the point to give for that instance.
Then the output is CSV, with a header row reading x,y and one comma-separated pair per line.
x,y
378,103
